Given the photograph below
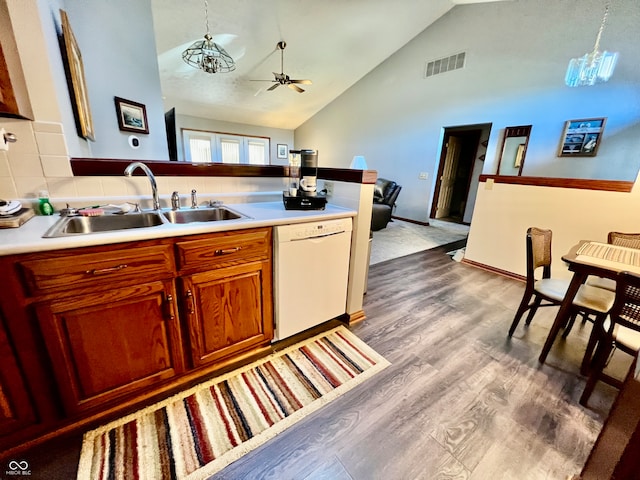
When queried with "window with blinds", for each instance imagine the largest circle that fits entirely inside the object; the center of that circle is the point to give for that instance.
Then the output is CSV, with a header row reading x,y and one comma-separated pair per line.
x,y
212,147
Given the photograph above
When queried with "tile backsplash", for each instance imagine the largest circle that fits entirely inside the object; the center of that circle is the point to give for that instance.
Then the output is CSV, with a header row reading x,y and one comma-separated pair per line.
x,y
39,160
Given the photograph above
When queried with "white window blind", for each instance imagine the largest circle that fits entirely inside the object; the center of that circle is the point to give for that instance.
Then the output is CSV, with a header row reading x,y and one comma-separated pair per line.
x,y
200,149
211,147
258,151
230,150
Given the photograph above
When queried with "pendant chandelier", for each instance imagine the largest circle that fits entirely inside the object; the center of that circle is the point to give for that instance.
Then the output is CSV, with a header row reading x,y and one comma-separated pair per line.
x,y
207,55
594,67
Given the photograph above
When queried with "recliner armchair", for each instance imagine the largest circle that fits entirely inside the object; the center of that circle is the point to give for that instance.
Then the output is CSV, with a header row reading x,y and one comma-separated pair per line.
x,y
385,193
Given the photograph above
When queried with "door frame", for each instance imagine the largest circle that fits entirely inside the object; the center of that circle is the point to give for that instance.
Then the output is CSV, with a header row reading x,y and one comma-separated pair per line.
x,y
470,133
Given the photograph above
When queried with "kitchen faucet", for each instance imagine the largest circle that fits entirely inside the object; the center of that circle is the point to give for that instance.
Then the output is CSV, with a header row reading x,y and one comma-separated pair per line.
x,y
154,186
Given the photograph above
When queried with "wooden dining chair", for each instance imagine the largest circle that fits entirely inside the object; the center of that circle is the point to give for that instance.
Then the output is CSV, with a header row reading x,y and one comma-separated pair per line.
x,y
620,331
549,291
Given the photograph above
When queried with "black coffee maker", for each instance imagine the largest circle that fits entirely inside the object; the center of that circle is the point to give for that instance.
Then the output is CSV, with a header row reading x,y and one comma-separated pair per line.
x,y
302,192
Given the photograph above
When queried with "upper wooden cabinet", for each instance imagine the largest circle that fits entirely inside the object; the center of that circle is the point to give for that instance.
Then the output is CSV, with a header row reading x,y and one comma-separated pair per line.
x,y
8,103
14,99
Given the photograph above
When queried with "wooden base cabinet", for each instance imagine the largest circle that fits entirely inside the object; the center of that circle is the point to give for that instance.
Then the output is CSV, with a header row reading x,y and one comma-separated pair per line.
x,y
112,343
16,410
106,328
226,311
226,287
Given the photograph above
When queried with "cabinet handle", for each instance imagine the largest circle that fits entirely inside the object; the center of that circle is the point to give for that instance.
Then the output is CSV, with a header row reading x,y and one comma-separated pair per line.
x,y
190,302
226,251
169,303
102,271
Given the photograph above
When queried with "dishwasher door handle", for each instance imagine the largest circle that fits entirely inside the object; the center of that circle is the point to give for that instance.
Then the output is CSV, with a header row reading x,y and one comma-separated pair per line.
x,y
318,236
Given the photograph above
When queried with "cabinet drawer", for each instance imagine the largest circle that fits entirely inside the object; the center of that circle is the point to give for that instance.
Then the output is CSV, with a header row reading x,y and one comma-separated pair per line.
x,y
224,249
89,269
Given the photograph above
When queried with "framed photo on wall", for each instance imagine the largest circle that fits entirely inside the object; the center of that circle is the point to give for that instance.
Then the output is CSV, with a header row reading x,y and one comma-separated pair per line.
x,y
581,138
132,116
75,77
283,150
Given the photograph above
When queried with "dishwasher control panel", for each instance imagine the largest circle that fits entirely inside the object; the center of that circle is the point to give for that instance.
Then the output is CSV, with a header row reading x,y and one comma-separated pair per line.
x,y
315,229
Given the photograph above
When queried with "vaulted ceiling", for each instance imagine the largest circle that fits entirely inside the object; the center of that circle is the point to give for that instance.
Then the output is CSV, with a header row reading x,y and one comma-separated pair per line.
x,y
334,43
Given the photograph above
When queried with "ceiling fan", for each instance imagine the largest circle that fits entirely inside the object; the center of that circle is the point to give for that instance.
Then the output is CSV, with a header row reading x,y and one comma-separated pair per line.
x,y
282,78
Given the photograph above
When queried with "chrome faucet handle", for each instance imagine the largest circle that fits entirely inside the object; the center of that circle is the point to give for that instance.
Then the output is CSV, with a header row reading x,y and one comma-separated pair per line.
x,y
68,211
194,199
175,201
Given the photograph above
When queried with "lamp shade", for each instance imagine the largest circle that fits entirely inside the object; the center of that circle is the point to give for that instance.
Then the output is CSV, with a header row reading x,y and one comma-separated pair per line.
x,y
358,163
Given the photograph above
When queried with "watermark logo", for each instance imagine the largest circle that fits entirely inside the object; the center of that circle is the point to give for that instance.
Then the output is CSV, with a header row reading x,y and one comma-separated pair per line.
x,y
17,468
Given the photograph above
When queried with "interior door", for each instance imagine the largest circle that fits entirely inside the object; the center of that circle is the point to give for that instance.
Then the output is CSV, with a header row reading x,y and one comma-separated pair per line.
x,y
448,178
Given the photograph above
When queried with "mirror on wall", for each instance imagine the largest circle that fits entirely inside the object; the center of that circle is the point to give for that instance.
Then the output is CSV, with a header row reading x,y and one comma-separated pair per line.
x,y
514,150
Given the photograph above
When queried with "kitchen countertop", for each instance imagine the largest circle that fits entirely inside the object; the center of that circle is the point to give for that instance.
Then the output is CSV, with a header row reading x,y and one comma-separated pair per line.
x,y
28,237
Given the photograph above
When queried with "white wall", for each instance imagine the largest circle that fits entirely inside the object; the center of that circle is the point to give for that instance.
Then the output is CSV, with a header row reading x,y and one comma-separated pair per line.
x,y
504,212
276,135
120,60
517,54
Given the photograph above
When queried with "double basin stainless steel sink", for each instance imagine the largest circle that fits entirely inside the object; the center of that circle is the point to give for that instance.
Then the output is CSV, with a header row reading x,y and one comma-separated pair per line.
x,y
80,225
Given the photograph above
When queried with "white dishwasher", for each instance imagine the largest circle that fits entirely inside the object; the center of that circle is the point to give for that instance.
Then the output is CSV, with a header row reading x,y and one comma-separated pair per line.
x,y
311,271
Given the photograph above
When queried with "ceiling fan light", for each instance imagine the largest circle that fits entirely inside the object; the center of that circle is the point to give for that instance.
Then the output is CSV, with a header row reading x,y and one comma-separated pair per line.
x,y
208,56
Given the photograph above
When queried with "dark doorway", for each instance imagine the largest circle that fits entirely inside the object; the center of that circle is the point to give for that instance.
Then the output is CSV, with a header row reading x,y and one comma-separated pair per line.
x,y
459,154
170,125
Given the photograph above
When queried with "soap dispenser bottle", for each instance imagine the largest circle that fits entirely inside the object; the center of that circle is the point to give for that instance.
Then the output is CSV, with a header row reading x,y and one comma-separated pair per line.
x,y
44,204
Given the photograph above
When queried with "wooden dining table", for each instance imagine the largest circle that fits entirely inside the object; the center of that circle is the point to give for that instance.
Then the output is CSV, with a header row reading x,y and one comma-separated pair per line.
x,y
584,259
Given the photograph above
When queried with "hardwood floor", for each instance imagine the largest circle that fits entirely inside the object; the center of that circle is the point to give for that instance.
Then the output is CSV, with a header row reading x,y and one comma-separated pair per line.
x,y
460,399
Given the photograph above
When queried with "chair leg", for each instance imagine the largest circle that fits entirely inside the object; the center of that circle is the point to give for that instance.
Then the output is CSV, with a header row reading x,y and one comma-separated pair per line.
x,y
524,306
569,324
534,308
599,361
591,345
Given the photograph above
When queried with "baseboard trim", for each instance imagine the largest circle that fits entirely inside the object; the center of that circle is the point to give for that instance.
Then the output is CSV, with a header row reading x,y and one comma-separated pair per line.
x,y
417,222
491,269
356,317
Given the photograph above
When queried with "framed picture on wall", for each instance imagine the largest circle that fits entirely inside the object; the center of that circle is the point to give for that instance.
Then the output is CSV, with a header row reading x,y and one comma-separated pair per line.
x,y
75,77
581,138
132,116
283,150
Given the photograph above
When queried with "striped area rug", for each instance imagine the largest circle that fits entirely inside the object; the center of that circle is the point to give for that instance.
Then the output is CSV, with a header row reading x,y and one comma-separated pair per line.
x,y
198,432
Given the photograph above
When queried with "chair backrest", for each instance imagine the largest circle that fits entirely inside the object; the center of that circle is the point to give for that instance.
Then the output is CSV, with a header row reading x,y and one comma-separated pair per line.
x,y
626,308
538,252
630,240
386,191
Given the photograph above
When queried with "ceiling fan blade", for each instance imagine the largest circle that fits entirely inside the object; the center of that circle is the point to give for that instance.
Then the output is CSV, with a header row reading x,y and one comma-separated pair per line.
x,y
304,82
259,80
295,87
273,87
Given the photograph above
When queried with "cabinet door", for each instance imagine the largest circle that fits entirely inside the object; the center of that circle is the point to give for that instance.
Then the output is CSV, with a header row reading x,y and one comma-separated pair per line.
x,y
112,343
8,103
15,406
228,310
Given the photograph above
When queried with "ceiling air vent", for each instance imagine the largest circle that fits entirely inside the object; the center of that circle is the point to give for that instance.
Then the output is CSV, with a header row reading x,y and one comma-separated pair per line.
x,y
445,64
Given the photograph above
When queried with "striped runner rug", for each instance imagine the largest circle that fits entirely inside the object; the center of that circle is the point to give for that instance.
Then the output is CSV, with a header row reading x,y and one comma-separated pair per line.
x,y
198,432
